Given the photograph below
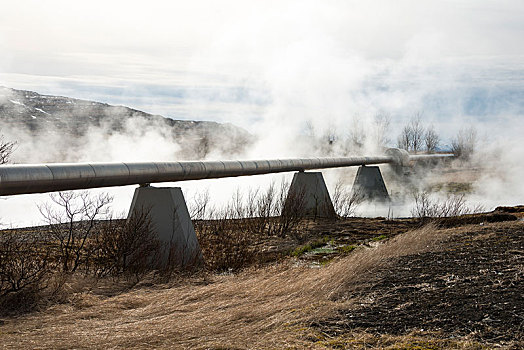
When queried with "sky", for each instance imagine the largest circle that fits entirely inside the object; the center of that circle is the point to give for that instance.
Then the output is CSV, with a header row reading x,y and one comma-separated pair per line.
x,y
255,63
276,67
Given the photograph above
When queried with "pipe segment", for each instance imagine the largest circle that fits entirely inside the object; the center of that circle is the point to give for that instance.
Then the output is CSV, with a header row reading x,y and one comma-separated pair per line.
x,y
41,178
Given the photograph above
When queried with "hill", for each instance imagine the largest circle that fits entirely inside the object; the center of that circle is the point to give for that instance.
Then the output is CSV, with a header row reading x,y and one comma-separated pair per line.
x,y
26,115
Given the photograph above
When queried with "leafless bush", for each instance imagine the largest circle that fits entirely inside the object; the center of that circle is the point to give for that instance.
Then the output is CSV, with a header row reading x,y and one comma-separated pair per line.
x,y
270,212
427,206
431,139
275,211
346,201
291,205
225,242
404,139
265,204
122,247
237,207
6,149
255,211
81,241
72,221
25,265
464,143
227,238
199,207
412,135
417,133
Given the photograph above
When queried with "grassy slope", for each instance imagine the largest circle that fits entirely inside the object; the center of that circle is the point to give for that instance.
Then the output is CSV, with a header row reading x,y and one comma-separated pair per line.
x,y
286,305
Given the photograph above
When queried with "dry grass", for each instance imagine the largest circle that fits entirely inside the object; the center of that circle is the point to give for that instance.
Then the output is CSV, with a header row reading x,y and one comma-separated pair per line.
x,y
263,308
412,341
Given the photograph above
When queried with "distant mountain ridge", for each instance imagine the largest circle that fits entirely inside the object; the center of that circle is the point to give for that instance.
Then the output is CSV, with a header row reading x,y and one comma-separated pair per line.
x,y
58,117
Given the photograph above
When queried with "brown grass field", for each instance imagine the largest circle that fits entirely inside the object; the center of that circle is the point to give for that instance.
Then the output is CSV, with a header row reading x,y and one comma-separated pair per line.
x,y
413,288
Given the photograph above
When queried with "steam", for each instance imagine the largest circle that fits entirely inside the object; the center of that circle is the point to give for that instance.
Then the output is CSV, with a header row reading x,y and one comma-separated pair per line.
x,y
304,78
135,142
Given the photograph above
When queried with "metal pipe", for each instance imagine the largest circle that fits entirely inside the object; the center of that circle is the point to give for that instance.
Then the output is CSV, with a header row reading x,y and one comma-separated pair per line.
x,y
417,157
40,178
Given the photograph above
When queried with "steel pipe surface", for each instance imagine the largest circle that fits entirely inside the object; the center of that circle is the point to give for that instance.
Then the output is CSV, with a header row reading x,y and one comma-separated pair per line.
x,y
40,178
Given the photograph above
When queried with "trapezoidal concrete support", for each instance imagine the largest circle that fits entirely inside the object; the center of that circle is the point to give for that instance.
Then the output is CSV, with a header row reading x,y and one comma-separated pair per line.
x,y
370,185
309,196
172,223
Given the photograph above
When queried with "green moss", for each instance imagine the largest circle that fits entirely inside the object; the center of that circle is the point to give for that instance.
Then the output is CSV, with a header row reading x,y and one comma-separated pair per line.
x,y
299,251
346,249
306,248
379,238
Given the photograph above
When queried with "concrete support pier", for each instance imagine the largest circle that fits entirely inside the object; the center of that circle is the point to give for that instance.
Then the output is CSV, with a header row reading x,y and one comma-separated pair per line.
x,y
309,190
370,184
171,220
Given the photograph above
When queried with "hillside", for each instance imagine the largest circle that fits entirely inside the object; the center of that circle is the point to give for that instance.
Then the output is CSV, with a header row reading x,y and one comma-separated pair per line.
x,y
34,115
400,286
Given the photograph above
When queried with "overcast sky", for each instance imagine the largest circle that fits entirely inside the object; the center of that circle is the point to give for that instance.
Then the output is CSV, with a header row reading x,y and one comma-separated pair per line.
x,y
256,63
274,66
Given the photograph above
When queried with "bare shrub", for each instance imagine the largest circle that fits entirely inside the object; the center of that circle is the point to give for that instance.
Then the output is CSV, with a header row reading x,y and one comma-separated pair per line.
x,y
275,211
6,149
73,223
25,265
427,206
225,242
346,201
291,207
417,133
431,139
404,139
227,238
265,203
278,211
464,143
412,136
236,206
199,208
123,247
257,210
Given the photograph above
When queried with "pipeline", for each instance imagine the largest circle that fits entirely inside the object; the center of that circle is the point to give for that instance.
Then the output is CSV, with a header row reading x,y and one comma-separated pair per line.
x,y
41,178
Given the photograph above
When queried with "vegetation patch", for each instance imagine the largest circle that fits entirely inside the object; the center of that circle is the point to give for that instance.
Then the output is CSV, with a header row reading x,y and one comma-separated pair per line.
x,y
346,249
312,246
452,187
379,238
324,250
378,297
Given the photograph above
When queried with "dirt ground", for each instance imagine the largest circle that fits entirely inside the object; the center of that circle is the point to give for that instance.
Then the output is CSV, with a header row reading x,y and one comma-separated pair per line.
x,y
365,283
472,287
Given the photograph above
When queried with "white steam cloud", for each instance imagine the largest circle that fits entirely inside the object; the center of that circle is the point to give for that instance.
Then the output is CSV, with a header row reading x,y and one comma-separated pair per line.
x,y
289,72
